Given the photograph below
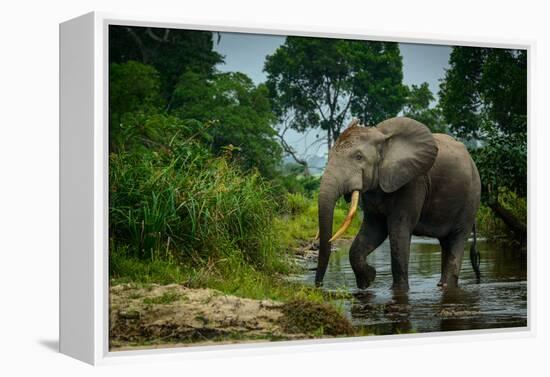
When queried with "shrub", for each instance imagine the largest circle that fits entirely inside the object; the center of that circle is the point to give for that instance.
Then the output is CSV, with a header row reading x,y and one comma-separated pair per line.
x,y
300,316
297,203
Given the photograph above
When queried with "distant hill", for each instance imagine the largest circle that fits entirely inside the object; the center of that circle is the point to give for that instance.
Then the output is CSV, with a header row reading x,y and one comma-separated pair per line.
x,y
316,163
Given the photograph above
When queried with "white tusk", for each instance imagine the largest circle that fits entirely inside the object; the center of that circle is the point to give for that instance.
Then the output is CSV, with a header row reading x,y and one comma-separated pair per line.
x,y
349,217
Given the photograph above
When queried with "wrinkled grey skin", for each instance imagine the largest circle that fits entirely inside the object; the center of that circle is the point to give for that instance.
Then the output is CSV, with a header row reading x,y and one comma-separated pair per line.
x,y
412,182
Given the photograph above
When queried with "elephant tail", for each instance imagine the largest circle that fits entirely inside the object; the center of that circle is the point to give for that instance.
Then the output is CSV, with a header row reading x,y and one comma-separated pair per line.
x,y
474,255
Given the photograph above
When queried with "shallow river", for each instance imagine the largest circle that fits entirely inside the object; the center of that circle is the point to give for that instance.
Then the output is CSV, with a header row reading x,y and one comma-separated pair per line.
x,y
499,301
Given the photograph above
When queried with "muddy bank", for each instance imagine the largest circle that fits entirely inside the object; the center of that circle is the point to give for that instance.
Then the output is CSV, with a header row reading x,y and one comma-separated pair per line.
x,y
174,314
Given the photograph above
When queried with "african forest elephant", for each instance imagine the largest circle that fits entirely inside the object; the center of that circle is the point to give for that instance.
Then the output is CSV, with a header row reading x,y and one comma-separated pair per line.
x,y
410,182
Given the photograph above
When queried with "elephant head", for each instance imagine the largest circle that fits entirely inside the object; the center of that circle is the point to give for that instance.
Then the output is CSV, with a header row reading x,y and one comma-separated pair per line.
x,y
367,158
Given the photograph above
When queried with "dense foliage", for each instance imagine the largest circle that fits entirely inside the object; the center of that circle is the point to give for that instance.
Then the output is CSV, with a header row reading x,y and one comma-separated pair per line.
x,y
170,51
242,113
418,106
191,151
170,197
485,87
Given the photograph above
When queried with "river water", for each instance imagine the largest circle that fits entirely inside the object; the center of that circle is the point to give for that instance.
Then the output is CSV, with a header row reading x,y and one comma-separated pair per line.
x,y
500,300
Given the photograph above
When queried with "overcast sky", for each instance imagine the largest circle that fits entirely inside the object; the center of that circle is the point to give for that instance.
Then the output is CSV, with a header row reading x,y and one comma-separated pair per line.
x,y
246,53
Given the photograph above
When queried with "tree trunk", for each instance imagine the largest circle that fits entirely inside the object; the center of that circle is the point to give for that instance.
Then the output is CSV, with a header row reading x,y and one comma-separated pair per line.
x,y
516,226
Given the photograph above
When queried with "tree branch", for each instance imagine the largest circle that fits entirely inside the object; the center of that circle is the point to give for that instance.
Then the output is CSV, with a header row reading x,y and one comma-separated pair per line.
x,y
154,37
290,151
139,42
317,105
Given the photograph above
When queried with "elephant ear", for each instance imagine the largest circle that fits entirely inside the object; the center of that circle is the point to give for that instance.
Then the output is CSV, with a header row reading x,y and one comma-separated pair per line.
x,y
409,151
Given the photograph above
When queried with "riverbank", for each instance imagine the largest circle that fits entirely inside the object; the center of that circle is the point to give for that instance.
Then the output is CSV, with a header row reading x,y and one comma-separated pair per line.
x,y
165,301
157,315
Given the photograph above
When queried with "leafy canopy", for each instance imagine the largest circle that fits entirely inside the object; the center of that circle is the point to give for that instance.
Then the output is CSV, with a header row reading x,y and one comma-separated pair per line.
x,y
484,97
485,85
417,106
169,51
241,112
172,72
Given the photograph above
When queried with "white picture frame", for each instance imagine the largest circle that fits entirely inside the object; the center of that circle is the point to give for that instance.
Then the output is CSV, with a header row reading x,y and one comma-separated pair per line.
x,y
84,190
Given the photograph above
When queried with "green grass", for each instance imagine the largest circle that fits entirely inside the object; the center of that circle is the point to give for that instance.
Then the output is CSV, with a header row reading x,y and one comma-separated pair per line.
x,y
190,209
318,319
232,273
125,268
230,276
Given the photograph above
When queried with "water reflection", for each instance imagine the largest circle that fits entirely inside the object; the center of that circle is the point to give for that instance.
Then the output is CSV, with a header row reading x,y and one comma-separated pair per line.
x,y
499,301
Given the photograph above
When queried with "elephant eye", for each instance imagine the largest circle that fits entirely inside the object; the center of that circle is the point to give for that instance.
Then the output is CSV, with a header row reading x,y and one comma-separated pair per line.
x,y
358,157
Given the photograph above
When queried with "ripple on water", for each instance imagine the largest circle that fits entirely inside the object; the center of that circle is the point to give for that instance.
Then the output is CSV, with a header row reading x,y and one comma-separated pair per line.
x,y
499,301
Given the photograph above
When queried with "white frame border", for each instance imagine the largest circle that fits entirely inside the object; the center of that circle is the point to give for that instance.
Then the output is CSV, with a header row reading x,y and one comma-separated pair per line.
x,y
101,353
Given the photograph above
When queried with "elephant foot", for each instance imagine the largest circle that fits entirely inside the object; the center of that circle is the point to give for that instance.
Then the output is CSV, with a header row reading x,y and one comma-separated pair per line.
x,y
366,277
451,282
401,286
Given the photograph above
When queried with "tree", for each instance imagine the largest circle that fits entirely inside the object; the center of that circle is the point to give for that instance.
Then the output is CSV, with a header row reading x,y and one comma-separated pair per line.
x,y
485,84
133,87
322,82
417,106
170,51
242,115
484,97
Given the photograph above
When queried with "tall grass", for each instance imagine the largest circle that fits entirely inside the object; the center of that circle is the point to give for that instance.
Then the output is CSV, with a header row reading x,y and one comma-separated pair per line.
x,y
179,214
192,210
176,209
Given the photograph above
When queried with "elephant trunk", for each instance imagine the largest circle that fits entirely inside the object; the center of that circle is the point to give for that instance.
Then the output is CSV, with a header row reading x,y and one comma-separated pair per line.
x,y
329,192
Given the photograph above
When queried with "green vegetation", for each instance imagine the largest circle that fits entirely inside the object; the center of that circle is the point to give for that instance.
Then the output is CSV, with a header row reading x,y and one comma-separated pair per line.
x,y
492,226
169,51
300,224
232,273
417,106
195,204
179,214
314,318
165,299
242,113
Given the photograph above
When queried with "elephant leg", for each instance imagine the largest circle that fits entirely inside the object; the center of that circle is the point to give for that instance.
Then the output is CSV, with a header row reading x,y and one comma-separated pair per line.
x,y
372,233
444,257
400,243
404,208
452,251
